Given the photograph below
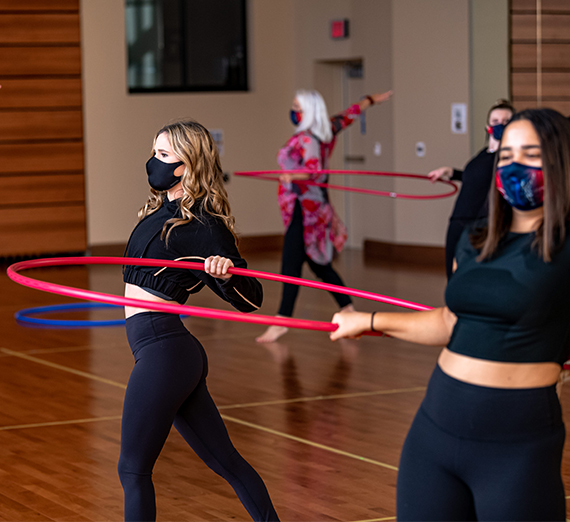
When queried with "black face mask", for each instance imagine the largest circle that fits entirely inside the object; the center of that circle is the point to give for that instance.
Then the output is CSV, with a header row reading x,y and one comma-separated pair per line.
x,y
161,175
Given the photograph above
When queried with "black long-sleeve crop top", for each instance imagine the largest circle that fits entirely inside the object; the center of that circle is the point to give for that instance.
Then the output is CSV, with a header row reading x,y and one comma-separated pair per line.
x,y
471,204
514,307
196,240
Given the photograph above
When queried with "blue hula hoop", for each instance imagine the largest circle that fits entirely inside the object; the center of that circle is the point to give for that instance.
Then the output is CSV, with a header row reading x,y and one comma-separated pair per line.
x,y
23,316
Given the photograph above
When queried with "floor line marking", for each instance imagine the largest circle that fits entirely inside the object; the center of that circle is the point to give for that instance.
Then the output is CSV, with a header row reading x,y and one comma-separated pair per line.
x,y
41,351
322,398
87,375
309,443
231,419
59,423
63,368
377,519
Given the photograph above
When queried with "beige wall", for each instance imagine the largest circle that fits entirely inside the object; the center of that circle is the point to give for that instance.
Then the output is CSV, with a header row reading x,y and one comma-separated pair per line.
x,y
489,21
315,53
119,127
420,48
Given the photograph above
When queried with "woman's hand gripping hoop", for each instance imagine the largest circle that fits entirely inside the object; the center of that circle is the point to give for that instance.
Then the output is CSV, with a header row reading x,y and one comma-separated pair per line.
x,y
191,310
273,175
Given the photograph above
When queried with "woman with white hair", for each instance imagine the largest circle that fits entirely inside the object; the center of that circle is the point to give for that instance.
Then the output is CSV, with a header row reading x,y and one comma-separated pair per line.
x,y
314,231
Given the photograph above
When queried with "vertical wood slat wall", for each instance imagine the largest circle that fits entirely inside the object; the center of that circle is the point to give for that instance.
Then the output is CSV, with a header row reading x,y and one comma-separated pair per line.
x,y
42,187
555,29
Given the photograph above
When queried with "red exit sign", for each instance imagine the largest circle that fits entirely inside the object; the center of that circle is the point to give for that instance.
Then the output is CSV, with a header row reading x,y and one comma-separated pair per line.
x,y
339,29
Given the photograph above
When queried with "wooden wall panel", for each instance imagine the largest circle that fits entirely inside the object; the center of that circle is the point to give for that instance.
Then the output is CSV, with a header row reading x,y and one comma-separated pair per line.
x,y
554,89
38,125
554,56
39,5
38,93
42,189
41,157
560,106
554,85
39,28
20,61
554,27
34,230
547,5
42,210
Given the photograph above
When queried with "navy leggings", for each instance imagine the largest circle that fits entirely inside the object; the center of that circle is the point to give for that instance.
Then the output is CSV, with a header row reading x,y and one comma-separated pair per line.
x,y
479,453
292,260
168,386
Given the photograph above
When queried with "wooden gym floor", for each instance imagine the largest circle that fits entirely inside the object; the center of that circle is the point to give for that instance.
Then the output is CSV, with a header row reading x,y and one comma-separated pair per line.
x,y
322,422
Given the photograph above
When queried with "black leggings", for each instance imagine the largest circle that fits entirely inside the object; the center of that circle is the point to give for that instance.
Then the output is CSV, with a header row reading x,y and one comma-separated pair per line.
x,y
292,260
479,453
168,386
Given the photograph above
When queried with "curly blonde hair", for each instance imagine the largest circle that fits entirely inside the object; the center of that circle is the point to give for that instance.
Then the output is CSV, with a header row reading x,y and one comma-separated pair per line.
x,y
202,180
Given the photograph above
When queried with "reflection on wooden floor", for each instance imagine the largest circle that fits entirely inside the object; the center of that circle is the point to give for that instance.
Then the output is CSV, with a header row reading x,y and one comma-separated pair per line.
x,y
322,422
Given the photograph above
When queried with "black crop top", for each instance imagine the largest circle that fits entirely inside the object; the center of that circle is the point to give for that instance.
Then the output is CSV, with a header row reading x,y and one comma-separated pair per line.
x,y
202,237
514,307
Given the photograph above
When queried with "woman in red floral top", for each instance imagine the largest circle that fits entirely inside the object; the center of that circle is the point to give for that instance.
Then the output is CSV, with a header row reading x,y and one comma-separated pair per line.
x,y
314,231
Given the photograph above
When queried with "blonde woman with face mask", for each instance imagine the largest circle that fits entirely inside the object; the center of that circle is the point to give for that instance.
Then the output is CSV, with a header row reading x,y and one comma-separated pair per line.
x,y
471,204
187,217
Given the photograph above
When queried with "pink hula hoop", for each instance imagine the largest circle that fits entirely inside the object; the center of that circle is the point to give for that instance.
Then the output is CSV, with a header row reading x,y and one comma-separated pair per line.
x,y
184,309
270,175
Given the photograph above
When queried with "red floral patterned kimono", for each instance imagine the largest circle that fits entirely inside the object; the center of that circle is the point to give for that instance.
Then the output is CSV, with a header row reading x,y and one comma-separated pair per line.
x,y
323,231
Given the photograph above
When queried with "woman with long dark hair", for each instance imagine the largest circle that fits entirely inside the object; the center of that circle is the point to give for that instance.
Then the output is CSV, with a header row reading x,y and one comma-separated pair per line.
x,y
486,443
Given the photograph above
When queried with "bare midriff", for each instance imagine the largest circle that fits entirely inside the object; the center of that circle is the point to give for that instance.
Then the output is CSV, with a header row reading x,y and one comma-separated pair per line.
x,y
496,374
136,292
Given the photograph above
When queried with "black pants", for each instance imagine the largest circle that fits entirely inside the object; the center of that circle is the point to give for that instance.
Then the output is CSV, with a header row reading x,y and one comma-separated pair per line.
x,y
479,453
168,386
292,260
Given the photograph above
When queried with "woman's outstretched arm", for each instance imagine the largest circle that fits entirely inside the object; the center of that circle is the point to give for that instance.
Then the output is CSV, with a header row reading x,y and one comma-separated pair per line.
x,y
432,327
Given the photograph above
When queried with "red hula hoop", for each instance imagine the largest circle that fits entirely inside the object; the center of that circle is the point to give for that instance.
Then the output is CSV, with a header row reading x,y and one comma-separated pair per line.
x,y
190,310
269,175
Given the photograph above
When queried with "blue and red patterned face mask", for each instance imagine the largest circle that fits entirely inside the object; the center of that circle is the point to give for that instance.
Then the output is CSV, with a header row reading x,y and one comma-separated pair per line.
x,y
496,130
522,186
296,117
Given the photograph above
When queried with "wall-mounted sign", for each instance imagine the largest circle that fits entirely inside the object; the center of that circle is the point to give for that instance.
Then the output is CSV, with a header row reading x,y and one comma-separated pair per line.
x,y
459,118
339,29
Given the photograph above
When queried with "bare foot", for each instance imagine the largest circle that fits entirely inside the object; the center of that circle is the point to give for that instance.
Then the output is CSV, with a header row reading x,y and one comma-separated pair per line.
x,y
272,334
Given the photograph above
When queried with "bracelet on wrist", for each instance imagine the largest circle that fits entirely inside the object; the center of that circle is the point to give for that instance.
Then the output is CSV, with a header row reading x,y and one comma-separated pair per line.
x,y
372,322
370,99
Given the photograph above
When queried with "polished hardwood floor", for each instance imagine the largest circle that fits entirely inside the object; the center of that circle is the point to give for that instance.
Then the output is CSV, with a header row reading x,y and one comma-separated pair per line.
x,y
322,422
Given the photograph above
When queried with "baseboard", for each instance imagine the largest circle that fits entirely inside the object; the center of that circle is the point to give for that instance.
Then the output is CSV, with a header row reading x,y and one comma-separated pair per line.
x,y
254,244
109,250
247,244
412,254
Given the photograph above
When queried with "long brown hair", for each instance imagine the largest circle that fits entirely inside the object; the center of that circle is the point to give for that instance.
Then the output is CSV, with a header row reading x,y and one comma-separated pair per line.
x,y
202,180
553,131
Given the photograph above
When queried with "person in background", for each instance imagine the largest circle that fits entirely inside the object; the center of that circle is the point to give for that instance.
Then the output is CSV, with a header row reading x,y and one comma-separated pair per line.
x,y
314,233
471,204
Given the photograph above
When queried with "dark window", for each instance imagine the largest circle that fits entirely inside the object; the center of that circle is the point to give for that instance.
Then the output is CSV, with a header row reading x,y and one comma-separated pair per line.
x,y
186,45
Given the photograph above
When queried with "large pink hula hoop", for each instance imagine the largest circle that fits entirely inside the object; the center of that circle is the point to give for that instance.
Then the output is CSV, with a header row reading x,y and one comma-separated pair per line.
x,y
184,309
273,175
